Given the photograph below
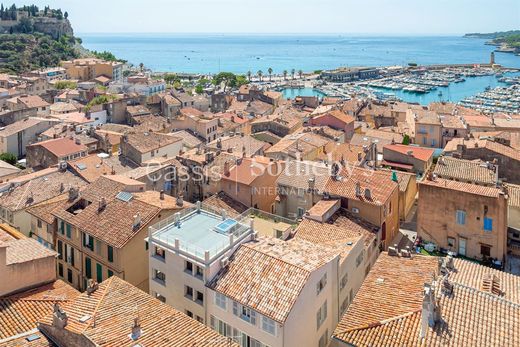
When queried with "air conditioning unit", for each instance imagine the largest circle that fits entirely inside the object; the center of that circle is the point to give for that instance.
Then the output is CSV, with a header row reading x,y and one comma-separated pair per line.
x,y
224,262
355,210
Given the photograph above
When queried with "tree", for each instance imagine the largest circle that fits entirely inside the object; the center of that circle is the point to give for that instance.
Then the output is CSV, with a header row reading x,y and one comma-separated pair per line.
x,y
241,80
228,78
141,67
66,15
260,74
270,71
249,75
300,73
199,89
9,158
293,71
406,139
284,74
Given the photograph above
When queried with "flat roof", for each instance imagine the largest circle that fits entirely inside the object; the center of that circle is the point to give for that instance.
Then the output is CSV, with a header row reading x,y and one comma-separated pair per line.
x,y
201,231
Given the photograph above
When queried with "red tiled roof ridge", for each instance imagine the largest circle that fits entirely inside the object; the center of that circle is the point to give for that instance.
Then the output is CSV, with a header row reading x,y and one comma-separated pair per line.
x,y
381,322
94,312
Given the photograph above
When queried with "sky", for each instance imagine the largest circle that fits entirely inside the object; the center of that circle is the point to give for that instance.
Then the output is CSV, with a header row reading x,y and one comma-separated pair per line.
x,y
388,17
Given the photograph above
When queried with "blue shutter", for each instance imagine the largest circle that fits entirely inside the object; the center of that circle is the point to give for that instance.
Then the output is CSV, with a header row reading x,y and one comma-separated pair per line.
x,y
488,224
235,308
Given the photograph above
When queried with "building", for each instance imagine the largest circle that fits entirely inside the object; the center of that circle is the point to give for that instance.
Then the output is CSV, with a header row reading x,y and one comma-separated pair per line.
x,y
202,125
28,102
469,171
408,158
300,186
87,69
21,193
16,136
8,171
123,316
252,181
337,120
346,74
187,250
428,129
101,232
412,301
24,263
470,221
52,152
50,74
299,146
507,158
147,147
513,219
371,195
238,145
280,125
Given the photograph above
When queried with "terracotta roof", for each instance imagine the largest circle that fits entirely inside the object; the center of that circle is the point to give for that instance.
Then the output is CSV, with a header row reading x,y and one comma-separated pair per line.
x,y
247,170
268,275
20,312
421,153
492,146
188,139
146,141
387,309
223,201
115,305
379,182
473,171
298,143
464,187
387,135
39,189
37,339
298,173
91,167
30,101
24,124
238,144
339,115
61,147
513,191
25,250
342,151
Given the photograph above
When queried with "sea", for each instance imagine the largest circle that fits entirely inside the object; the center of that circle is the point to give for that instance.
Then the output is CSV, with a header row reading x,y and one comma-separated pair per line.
x,y
240,53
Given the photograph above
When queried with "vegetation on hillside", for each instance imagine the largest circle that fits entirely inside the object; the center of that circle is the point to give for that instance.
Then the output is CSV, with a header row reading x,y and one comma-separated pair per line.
x,y
229,79
65,85
106,55
26,52
100,100
510,38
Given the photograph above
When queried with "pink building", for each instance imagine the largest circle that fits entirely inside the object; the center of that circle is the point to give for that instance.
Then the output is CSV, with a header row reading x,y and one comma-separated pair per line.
x,y
335,119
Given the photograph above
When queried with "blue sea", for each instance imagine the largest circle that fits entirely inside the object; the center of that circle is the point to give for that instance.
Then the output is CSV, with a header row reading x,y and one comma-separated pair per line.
x,y
239,53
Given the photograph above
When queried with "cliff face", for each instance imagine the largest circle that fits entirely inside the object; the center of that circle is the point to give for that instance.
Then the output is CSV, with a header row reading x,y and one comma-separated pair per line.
x,y
53,27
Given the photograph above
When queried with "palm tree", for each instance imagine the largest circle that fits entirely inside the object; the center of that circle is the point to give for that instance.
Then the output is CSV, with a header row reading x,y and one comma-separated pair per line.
x,y
300,72
270,71
141,66
249,75
293,71
284,74
260,74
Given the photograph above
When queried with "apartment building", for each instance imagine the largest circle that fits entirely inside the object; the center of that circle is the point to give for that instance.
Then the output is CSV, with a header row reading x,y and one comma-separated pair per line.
x,y
372,195
87,69
470,221
408,158
300,146
411,301
252,181
149,147
428,129
336,119
202,125
16,136
49,153
28,102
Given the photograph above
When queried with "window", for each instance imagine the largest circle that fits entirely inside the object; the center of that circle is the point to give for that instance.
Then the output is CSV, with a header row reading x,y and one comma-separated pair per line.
x,y
159,276
189,314
198,272
268,325
344,305
344,281
488,224
110,251
451,242
69,230
200,298
220,300
39,223
301,212
188,267
188,292
321,315
485,250
321,284
324,339
69,275
159,252
99,273
245,313
461,217
359,259
88,267
60,270
110,273
200,319
160,297
60,249
62,227
88,241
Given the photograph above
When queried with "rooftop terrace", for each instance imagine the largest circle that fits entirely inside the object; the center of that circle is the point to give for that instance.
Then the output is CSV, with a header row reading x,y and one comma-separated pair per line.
x,y
202,232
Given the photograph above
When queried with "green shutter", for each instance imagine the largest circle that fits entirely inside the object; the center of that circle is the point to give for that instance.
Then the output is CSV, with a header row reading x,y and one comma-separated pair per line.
x,y
109,273
99,273
62,227
60,249
88,267
110,254
68,230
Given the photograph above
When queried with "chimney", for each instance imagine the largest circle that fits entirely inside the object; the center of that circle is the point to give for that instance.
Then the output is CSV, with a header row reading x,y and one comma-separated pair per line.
x,y
92,286
136,329
226,168
161,195
77,141
137,221
368,194
73,193
358,189
62,187
430,311
180,201
311,182
59,317
102,204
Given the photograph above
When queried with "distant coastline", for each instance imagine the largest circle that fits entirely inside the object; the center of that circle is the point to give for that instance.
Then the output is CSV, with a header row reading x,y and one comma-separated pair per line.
x,y
505,41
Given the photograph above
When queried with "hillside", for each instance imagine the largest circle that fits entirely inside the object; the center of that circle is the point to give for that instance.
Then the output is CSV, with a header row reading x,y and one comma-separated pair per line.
x,y
507,41
32,38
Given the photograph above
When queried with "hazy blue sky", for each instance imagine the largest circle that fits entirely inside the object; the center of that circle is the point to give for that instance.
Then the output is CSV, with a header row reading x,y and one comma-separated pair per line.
x,y
290,16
